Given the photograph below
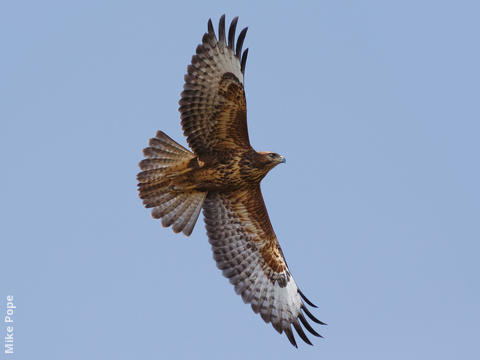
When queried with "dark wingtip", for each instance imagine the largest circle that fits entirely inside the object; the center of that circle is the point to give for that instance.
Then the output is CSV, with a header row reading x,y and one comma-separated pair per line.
x,y
313,318
291,338
210,27
300,332
244,61
306,300
307,325
240,40
221,29
231,33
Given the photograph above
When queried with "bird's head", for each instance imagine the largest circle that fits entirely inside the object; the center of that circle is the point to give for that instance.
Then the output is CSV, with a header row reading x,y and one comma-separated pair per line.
x,y
271,159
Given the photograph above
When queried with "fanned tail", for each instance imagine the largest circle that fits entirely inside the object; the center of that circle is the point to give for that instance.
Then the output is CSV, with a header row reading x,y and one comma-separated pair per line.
x,y
164,161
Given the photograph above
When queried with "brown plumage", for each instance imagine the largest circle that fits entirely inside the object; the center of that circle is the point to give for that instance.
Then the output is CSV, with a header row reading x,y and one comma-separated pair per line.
x,y
222,175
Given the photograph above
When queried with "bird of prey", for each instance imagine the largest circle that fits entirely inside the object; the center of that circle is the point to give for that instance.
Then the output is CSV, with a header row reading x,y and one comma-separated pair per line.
x,y
222,175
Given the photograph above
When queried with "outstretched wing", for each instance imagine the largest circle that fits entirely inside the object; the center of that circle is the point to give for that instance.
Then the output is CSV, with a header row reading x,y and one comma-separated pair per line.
x,y
212,106
247,251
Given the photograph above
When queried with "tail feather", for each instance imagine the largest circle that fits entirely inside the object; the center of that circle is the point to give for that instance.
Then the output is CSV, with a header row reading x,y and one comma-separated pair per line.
x,y
164,158
168,209
196,208
158,199
191,212
158,164
180,213
165,143
154,152
175,210
146,176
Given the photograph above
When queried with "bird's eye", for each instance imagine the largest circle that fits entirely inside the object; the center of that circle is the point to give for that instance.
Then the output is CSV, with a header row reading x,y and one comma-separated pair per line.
x,y
272,155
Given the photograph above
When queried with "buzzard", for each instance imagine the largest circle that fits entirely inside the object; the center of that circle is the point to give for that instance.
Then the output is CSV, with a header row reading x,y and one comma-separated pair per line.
x,y
222,175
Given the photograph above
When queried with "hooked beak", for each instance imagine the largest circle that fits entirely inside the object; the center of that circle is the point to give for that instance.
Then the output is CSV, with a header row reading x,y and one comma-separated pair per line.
x,y
283,161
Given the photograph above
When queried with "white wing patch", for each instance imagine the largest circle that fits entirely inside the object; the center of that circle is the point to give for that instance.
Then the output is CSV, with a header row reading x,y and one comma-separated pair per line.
x,y
275,296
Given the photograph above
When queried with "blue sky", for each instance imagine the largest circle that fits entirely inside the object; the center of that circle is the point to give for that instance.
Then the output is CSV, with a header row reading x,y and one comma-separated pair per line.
x,y
375,105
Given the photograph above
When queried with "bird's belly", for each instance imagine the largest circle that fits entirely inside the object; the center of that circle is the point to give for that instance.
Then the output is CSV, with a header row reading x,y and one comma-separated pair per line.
x,y
218,178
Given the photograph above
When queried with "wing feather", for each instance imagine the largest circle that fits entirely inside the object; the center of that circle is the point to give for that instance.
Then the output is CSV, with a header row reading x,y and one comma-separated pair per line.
x,y
231,33
213,108
246,249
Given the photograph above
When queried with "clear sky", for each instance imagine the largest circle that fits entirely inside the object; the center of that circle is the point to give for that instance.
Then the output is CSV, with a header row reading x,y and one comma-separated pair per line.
x,y
375,104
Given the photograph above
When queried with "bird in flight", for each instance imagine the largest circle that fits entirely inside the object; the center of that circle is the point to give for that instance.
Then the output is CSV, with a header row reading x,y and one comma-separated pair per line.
x,y
222,175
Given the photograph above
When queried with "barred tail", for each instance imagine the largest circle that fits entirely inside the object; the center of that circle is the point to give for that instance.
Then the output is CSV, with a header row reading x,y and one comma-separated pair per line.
x,y
163,158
